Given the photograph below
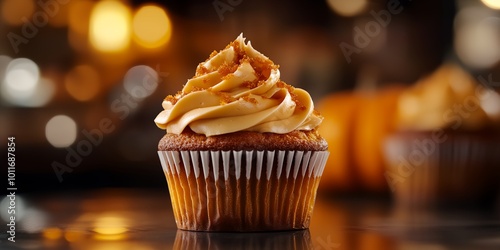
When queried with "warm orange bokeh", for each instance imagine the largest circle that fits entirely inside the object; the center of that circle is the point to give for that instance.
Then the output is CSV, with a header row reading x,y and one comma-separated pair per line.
x,y
355,126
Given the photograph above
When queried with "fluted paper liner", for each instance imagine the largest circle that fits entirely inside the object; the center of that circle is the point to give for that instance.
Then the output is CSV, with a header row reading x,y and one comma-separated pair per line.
x,y
242,190
461,170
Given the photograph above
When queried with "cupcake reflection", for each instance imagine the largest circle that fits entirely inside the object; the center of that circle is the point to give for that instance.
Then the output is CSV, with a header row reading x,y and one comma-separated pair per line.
x,y
300,239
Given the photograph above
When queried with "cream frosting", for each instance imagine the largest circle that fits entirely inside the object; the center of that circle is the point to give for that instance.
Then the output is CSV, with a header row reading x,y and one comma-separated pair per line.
x,y
448,98
238,89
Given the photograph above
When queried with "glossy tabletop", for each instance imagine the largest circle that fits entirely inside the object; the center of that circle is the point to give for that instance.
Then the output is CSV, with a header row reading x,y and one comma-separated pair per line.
x,y
142,219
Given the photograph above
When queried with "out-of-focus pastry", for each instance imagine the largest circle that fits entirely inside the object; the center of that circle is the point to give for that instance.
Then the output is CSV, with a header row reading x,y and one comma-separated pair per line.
x,y
447,148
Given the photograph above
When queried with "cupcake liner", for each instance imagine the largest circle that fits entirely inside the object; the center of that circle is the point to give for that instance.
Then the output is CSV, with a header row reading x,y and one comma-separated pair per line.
x,y
242,190
462,169
268,240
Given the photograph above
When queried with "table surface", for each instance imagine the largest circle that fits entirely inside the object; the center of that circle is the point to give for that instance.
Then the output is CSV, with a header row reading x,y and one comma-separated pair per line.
x,y
142,219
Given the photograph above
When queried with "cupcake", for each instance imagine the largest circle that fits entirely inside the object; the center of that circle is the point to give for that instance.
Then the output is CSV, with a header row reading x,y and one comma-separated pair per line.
x,y
446,151
241,150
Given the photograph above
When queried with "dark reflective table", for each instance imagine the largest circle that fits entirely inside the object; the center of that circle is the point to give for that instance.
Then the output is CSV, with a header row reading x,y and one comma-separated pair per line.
x,y
142,219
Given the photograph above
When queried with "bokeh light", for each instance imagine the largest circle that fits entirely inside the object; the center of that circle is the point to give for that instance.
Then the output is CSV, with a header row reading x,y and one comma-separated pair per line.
x,y
60,131
110,26
34,221
22,75
347,8
491,104
476,52
151,26
39,96
43,93
110,225
22,84
20,208
72,235
140,81
471,24
13,11
494,4
82,82
52,233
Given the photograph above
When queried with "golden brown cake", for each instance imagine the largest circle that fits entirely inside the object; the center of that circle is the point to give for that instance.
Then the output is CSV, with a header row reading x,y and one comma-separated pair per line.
x,y
244,140
241,150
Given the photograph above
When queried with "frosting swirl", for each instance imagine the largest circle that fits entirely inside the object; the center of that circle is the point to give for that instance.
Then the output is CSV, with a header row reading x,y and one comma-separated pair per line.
x,y
238,89
448,98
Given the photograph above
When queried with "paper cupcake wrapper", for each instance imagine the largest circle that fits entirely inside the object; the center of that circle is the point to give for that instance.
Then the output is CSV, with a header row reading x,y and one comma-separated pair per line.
x,y
463,169
299,240
242,190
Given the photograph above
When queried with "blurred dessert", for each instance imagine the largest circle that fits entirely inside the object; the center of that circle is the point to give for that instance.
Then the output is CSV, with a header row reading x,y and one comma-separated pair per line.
x,y
446,151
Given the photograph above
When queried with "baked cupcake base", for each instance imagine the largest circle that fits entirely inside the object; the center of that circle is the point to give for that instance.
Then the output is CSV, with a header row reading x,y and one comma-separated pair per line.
x,y
454,169
239,190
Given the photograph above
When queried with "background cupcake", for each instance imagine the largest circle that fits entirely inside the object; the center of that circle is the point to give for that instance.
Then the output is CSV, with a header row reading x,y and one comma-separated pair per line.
x,y
447,148
241,152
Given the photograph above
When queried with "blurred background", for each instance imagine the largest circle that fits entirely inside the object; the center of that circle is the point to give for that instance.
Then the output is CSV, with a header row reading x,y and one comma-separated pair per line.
x,y
68,65
81,82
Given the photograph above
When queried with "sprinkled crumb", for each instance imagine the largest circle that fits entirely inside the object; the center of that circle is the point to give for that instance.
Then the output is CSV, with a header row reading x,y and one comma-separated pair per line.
x,y
237,49
295,99
227,68
262,67
201,70
317,113
228,76
249,99
251,85
173,99
281,84
225,98
194,90
170,99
